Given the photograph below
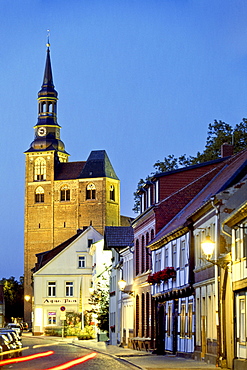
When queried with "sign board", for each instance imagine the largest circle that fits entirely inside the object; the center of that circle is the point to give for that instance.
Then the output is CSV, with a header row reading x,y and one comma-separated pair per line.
x,y
63,316
63,308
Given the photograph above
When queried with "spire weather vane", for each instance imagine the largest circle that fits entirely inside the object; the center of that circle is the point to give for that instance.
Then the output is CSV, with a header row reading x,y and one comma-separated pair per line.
x,y
48,39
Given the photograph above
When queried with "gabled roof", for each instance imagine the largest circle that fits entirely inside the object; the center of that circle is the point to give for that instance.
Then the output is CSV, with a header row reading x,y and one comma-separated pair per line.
x,y
45,257
118,237
226,174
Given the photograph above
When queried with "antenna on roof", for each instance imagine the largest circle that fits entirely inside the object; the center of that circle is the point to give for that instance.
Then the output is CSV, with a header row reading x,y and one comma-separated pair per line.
x,y
48,39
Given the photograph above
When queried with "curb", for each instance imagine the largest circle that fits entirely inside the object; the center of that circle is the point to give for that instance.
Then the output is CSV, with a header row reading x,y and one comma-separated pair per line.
x,y
108,354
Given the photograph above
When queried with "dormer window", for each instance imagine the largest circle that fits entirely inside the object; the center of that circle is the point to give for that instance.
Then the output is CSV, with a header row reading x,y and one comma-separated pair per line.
x,y
112,192
39,169
91,191
64,193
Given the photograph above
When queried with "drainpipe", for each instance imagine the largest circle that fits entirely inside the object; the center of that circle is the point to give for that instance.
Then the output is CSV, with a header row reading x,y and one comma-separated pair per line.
x,y
216,274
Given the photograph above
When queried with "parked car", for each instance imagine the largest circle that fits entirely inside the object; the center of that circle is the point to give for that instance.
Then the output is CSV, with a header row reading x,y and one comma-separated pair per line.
x,y
12,343
4,343
14,326
15,336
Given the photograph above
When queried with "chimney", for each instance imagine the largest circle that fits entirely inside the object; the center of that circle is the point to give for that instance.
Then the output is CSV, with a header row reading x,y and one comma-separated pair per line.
x,y
226,150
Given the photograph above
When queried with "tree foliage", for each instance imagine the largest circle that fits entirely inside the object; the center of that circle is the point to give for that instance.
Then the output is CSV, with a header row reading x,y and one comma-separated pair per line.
x,y
99,301
218,133
13,295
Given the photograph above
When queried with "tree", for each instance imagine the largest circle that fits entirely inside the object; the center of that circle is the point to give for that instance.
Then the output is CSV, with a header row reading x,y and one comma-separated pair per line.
x,y
219,133
100,305
13,295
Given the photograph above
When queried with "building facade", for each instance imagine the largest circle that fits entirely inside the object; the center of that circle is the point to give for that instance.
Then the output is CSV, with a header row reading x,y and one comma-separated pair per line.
x,y
62,278
62,196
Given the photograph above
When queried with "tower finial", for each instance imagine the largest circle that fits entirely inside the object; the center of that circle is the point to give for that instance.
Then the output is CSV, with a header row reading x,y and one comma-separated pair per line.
x,y
48,38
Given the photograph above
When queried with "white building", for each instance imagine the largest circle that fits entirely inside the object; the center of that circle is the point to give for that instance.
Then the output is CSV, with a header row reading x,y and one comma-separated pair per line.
x,y
62,278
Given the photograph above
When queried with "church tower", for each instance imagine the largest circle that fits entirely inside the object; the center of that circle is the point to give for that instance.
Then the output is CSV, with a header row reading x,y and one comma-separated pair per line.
x,y
61,196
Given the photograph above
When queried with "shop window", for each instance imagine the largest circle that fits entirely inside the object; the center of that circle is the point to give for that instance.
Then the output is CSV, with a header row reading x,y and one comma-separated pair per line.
x,y
39,169
64,193
182,320
39,195
51,289
52,320
91,191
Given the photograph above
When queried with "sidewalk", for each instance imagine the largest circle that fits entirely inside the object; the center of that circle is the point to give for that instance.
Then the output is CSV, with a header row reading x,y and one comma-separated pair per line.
x,y
140,359
144,360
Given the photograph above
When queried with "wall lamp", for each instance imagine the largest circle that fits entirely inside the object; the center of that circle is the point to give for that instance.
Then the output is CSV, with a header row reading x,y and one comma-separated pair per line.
x,y
122,285
208,249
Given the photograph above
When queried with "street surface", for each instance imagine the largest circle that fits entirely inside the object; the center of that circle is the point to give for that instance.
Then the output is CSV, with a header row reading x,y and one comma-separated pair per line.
x,y
63,353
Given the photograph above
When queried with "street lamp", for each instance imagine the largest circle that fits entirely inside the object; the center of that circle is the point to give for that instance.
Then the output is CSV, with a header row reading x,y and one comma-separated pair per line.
x,y
208,247
27,297
122,284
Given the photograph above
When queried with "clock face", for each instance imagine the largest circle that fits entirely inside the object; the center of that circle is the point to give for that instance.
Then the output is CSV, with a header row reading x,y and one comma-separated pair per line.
x,y
41,131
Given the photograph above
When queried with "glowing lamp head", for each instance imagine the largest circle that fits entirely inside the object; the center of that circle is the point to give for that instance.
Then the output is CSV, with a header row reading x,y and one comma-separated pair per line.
x,y
122,284
208,247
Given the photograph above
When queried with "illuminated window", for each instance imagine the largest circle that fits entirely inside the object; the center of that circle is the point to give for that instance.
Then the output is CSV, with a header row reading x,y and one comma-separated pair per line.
x,y
51,289
64,194
91,191
81,262
190,320
52,318
39,195
182,320
112,192
39,169
69,289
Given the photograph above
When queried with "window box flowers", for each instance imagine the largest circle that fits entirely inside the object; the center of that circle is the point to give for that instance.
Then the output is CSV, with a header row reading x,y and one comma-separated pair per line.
x,y
159,276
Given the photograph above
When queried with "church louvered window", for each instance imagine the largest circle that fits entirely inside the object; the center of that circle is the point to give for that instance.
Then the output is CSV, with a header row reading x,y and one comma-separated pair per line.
x,y
39,169
64,194
39,195
91,191
112,192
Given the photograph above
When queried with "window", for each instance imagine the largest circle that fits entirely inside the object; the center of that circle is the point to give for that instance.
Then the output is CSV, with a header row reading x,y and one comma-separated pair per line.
x,y
157,261
182,254
166,256
147,315
182,320
69,289
190,320
143,255
237,244
89,242
39,169
64,194
81,262
174,254
91,191
242,324
51,289
137,257
169,319
112,192
147,252
39,195
52,318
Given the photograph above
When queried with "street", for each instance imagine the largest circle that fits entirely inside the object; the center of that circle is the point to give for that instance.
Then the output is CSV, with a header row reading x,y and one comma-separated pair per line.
x,y
63,354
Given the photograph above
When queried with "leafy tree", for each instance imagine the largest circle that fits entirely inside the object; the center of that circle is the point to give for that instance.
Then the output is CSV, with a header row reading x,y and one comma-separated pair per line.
x,y
13,294
100,305
219,133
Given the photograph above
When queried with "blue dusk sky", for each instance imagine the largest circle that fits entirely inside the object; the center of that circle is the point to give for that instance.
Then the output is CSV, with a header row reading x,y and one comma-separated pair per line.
x,y
141,79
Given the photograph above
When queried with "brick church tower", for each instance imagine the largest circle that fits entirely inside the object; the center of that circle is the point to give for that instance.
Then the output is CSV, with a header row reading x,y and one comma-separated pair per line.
x,y
62,196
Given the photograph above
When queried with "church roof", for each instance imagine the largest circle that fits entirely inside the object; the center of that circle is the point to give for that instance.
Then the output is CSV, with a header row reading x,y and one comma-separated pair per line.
x,y
69,170
98,165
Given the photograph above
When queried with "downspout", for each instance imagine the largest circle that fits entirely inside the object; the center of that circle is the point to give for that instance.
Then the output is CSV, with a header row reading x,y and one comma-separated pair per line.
x,y
216,274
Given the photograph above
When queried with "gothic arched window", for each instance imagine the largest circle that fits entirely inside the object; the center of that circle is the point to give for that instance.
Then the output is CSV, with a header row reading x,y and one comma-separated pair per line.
x,y
39,169
91,191
39,195
64,193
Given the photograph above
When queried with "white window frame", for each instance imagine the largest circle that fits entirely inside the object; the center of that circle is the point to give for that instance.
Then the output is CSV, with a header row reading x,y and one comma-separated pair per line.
x,y
80,259
51,289
69,289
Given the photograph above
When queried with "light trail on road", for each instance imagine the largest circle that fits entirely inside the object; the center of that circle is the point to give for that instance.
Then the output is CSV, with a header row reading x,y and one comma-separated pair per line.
x,y
72,363
25,358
